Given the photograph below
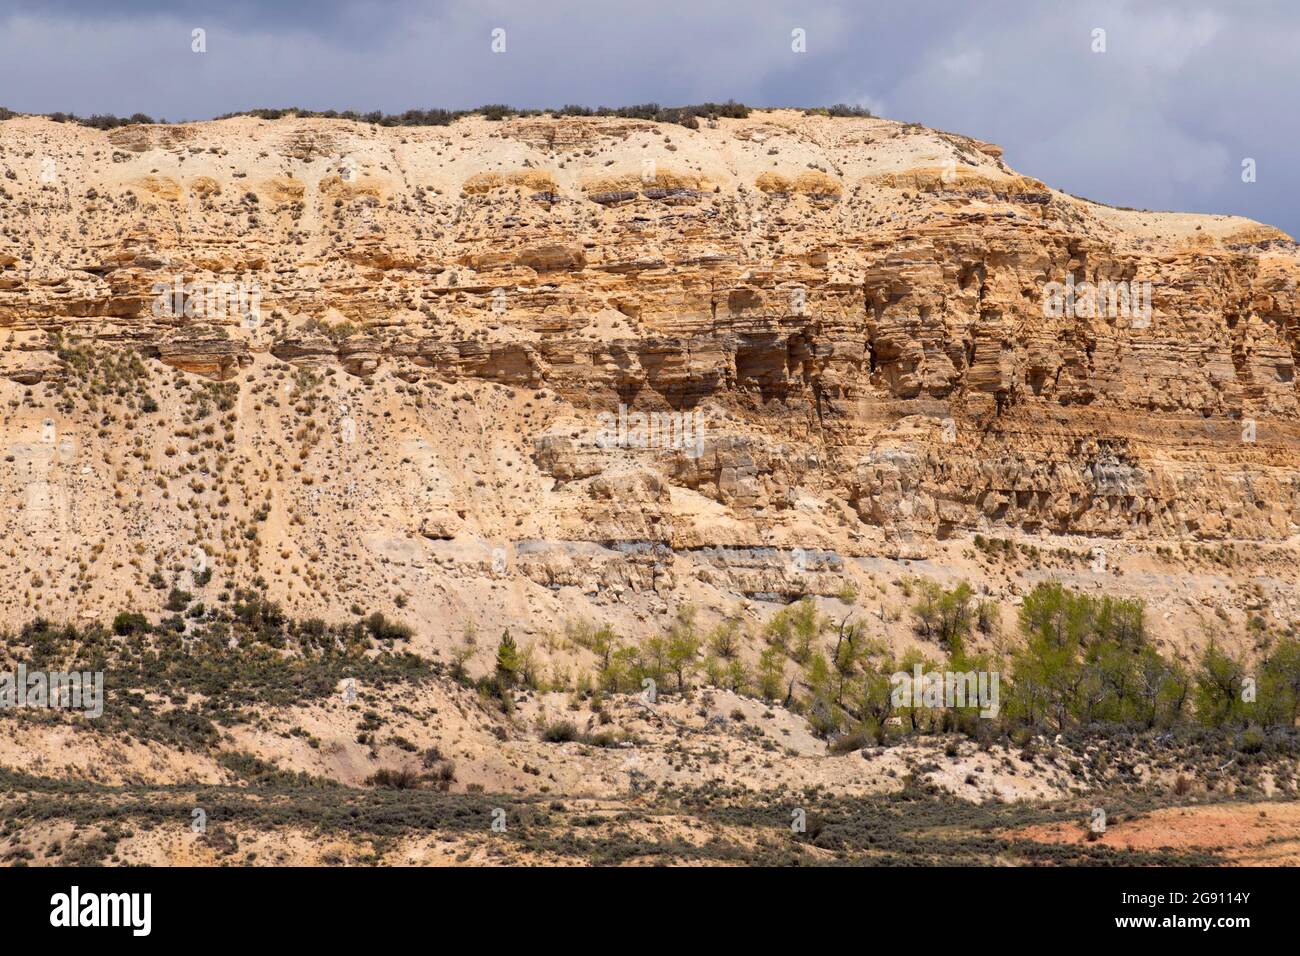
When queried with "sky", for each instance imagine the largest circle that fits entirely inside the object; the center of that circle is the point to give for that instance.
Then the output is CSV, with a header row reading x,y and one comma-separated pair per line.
x,y
1159,110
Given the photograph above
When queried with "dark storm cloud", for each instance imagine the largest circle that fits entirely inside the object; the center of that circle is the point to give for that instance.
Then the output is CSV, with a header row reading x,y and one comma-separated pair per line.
x,y
1184,92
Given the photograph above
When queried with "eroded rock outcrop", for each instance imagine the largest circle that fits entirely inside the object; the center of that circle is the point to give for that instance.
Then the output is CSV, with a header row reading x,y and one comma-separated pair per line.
x,y
846,336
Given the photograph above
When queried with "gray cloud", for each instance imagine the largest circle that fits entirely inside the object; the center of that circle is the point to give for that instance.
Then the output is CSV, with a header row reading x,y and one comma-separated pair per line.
x,y
1162,119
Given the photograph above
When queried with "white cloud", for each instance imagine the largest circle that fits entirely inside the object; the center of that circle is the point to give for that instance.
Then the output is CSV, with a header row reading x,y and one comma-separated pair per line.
x,y
963,65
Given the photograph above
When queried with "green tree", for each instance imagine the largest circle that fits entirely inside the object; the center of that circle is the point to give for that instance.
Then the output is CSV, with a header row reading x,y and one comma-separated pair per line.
x,y
603,643
906,709
823,714
736,677
683,650
954,616
623,673
1121,621
509,662
876,695
1161,688
1279,684
1219,681
771,673
724,640
926,608
850,646
795,629
1046,675
652,662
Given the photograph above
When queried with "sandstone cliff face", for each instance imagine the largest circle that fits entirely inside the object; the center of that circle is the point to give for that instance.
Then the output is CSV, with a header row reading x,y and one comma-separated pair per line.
x,y
549,367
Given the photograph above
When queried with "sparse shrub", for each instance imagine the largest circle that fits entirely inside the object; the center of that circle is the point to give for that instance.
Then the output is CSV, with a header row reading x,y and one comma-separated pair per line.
x,y
400,779
128,622
560,731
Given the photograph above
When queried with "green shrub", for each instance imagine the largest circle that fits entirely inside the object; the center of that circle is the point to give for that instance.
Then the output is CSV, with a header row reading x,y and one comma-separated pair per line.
x,y
130,622
394,779
560,731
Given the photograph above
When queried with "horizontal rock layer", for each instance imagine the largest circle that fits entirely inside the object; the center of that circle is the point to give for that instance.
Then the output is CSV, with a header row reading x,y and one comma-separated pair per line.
x,y
789,333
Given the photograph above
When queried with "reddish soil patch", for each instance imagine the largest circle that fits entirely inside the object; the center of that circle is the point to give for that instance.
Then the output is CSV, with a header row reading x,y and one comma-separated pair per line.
x,y
1247,834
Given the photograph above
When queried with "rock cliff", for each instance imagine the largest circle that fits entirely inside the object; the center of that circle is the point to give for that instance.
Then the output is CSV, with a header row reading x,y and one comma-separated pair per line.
x,y
522,372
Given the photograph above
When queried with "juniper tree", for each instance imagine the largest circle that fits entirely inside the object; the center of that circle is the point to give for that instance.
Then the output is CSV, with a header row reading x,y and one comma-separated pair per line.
x,y
508,661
